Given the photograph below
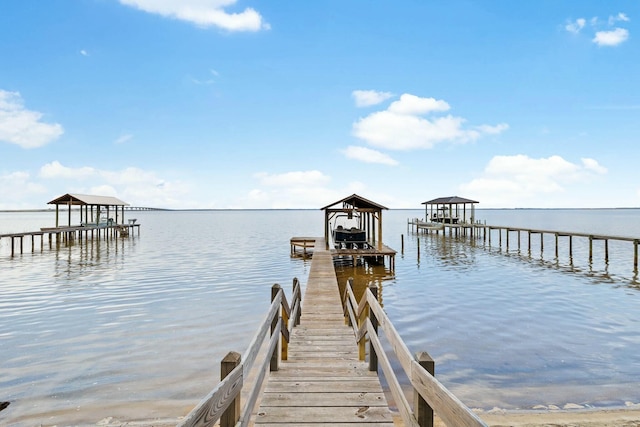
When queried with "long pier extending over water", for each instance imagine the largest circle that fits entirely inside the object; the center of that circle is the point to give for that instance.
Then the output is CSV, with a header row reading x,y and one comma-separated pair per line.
x,y
484,231
69,234
316,364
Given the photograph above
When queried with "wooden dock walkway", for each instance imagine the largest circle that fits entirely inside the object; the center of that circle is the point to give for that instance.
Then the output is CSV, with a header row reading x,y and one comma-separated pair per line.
x,y
313,373
323,382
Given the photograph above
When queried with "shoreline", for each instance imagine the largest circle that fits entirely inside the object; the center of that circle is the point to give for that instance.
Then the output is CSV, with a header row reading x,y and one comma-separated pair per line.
x,y
628,416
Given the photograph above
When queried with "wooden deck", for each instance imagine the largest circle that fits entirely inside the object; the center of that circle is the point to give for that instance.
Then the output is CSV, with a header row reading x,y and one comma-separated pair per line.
x,y
69,233
323,383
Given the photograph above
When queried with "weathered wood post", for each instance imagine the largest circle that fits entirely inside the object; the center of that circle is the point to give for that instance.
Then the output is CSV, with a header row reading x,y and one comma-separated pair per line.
x,y
508,239
273,366
296,321
571,247
402,243
590,249
606,250
635,256
418,249
231,416
284,353
556,245
422,411
373,356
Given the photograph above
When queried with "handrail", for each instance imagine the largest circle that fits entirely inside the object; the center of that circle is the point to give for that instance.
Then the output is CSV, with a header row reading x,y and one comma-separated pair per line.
x,y
429,394
223,402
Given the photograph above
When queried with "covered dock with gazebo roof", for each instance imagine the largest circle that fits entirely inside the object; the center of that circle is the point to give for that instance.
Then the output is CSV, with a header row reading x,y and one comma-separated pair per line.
x,y
87,204
450,210
352,230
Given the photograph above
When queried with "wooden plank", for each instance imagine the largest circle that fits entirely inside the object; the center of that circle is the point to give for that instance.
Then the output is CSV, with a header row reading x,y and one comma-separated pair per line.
x,y
320,372
334,414
331,424
324,399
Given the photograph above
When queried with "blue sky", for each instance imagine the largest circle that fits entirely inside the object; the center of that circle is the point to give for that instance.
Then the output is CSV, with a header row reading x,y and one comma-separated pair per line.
x,y
283,104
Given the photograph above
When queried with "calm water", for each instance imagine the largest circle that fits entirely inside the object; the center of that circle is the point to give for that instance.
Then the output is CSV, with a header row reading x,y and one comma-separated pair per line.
x,y
135,328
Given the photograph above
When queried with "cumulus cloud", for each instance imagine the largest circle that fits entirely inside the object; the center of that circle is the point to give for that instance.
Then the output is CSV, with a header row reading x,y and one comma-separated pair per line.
x,y
205,13
611,38
403,126
576,26
16,189
24,127
368,155
512,180
296,189
607,36
135,185
414,105
55,170
367,98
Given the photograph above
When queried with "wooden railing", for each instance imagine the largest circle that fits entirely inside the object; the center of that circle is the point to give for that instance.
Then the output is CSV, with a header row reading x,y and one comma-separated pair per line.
x,y
429,394
223,403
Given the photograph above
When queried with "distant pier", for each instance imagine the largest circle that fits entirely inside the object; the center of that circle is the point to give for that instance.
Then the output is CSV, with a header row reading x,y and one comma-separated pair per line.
x,y
59,235
484,231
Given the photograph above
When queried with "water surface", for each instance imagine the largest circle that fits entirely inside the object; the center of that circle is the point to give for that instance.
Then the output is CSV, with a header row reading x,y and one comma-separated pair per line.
x,y
135,328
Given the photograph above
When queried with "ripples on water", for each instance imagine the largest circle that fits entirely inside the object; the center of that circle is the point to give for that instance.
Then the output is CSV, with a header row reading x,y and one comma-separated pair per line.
x,y
135,328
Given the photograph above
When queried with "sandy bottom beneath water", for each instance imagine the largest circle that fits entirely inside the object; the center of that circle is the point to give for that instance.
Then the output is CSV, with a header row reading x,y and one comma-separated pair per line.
x,y
623,417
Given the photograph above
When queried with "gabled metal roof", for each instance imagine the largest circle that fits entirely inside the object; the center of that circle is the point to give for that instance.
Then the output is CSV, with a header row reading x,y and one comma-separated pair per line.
x,y
357,202
86,199
449,200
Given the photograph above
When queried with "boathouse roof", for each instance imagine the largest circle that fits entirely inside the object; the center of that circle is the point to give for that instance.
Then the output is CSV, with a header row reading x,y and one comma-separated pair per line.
x,y
449,200
357,202
87,199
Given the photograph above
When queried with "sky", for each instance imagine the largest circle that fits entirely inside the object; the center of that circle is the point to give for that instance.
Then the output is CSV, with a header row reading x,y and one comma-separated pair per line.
x,y
271,104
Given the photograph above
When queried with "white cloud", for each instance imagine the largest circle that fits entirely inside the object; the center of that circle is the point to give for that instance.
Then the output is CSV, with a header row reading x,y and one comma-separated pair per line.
x,y
367,98
611,38
23,127
414,105
204,13
402,127
493,130
297,178
16,189
594,166
604,37
619,17
55,170
509,181
134,185
575,26
123,138
297,189
368,155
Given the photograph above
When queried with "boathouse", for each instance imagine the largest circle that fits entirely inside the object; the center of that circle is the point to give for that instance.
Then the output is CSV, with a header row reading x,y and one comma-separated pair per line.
x,y
450,210
353,228
94,210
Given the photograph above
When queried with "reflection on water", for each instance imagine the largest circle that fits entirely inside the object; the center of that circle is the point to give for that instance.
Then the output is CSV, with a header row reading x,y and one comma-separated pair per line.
x,y
135,328
364,275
